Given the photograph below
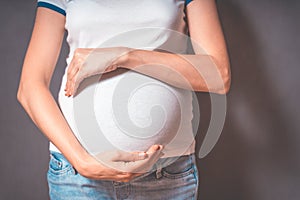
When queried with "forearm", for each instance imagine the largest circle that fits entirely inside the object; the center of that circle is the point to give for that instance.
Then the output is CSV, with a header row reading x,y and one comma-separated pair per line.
x,y
192,72
40,105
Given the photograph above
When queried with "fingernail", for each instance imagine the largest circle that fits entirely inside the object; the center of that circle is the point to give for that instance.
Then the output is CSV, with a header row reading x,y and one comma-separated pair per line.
x,y
143,155
159,147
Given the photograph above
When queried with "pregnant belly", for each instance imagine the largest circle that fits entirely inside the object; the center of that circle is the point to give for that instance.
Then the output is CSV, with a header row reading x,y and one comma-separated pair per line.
x,y
130,111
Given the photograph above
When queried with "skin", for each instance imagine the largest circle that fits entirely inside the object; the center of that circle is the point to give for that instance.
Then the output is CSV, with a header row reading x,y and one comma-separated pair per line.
x,y
40,61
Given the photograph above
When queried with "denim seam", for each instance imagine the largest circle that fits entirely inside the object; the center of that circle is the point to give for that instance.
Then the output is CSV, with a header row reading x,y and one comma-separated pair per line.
x,y
196,177
179,175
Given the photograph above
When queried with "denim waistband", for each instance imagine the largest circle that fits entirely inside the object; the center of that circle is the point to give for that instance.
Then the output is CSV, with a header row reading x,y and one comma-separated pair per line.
x,y
157,167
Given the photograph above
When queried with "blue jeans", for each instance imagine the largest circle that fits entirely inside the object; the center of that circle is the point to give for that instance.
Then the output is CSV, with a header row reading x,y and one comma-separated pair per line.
x,y
178,181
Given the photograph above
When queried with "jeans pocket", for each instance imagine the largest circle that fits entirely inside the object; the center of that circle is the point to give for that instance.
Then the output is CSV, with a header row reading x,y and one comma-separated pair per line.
x,y
58,165
182,167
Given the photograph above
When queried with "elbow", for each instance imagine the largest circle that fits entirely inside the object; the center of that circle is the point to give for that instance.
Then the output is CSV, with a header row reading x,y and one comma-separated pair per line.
x,y
226,86
219,85
28,89
222,84
20,94
226,82
23,93
224,71
222,88
217,80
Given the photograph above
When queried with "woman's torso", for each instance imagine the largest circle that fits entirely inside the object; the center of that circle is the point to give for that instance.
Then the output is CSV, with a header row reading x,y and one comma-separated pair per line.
x,y
131,110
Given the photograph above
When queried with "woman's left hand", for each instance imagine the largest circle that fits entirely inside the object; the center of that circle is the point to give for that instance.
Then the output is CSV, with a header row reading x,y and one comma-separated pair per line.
x,y
88,62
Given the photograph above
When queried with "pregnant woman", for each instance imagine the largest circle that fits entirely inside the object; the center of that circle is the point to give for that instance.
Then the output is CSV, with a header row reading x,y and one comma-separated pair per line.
x,y
128,71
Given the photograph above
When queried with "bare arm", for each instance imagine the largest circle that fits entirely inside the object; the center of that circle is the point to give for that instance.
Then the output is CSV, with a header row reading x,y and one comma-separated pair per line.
x,y
35,96
38,67
207,71
202,72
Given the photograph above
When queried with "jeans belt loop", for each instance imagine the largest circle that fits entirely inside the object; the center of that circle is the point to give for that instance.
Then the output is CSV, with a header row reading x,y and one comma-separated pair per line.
x,y
158,173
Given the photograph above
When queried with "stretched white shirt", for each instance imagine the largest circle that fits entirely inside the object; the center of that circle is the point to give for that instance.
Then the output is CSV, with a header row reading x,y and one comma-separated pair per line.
x,y
123,108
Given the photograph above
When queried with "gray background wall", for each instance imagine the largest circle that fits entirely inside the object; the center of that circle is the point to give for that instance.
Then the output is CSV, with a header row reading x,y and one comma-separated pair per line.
x,y
258,154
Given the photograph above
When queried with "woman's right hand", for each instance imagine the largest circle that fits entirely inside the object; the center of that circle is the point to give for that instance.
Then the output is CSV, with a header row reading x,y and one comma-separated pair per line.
x,y
36,98
119,165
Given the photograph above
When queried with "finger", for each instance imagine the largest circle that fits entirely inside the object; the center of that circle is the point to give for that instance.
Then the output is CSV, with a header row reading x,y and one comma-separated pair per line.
x,y
140,166
131,157
76,84
72,75
120,156
71,66
122,176
73,80
126,177
144,166
73,70
115,160
71,88
75,67
154,148
67,87
114,175
124,156
153,157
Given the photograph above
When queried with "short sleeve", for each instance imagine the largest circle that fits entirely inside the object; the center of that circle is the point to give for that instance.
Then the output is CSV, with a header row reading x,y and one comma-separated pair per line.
x,y
187,2
55,5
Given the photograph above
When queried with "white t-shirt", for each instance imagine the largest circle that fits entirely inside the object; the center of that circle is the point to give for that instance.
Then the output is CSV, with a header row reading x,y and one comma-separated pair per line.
x,y
132,111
